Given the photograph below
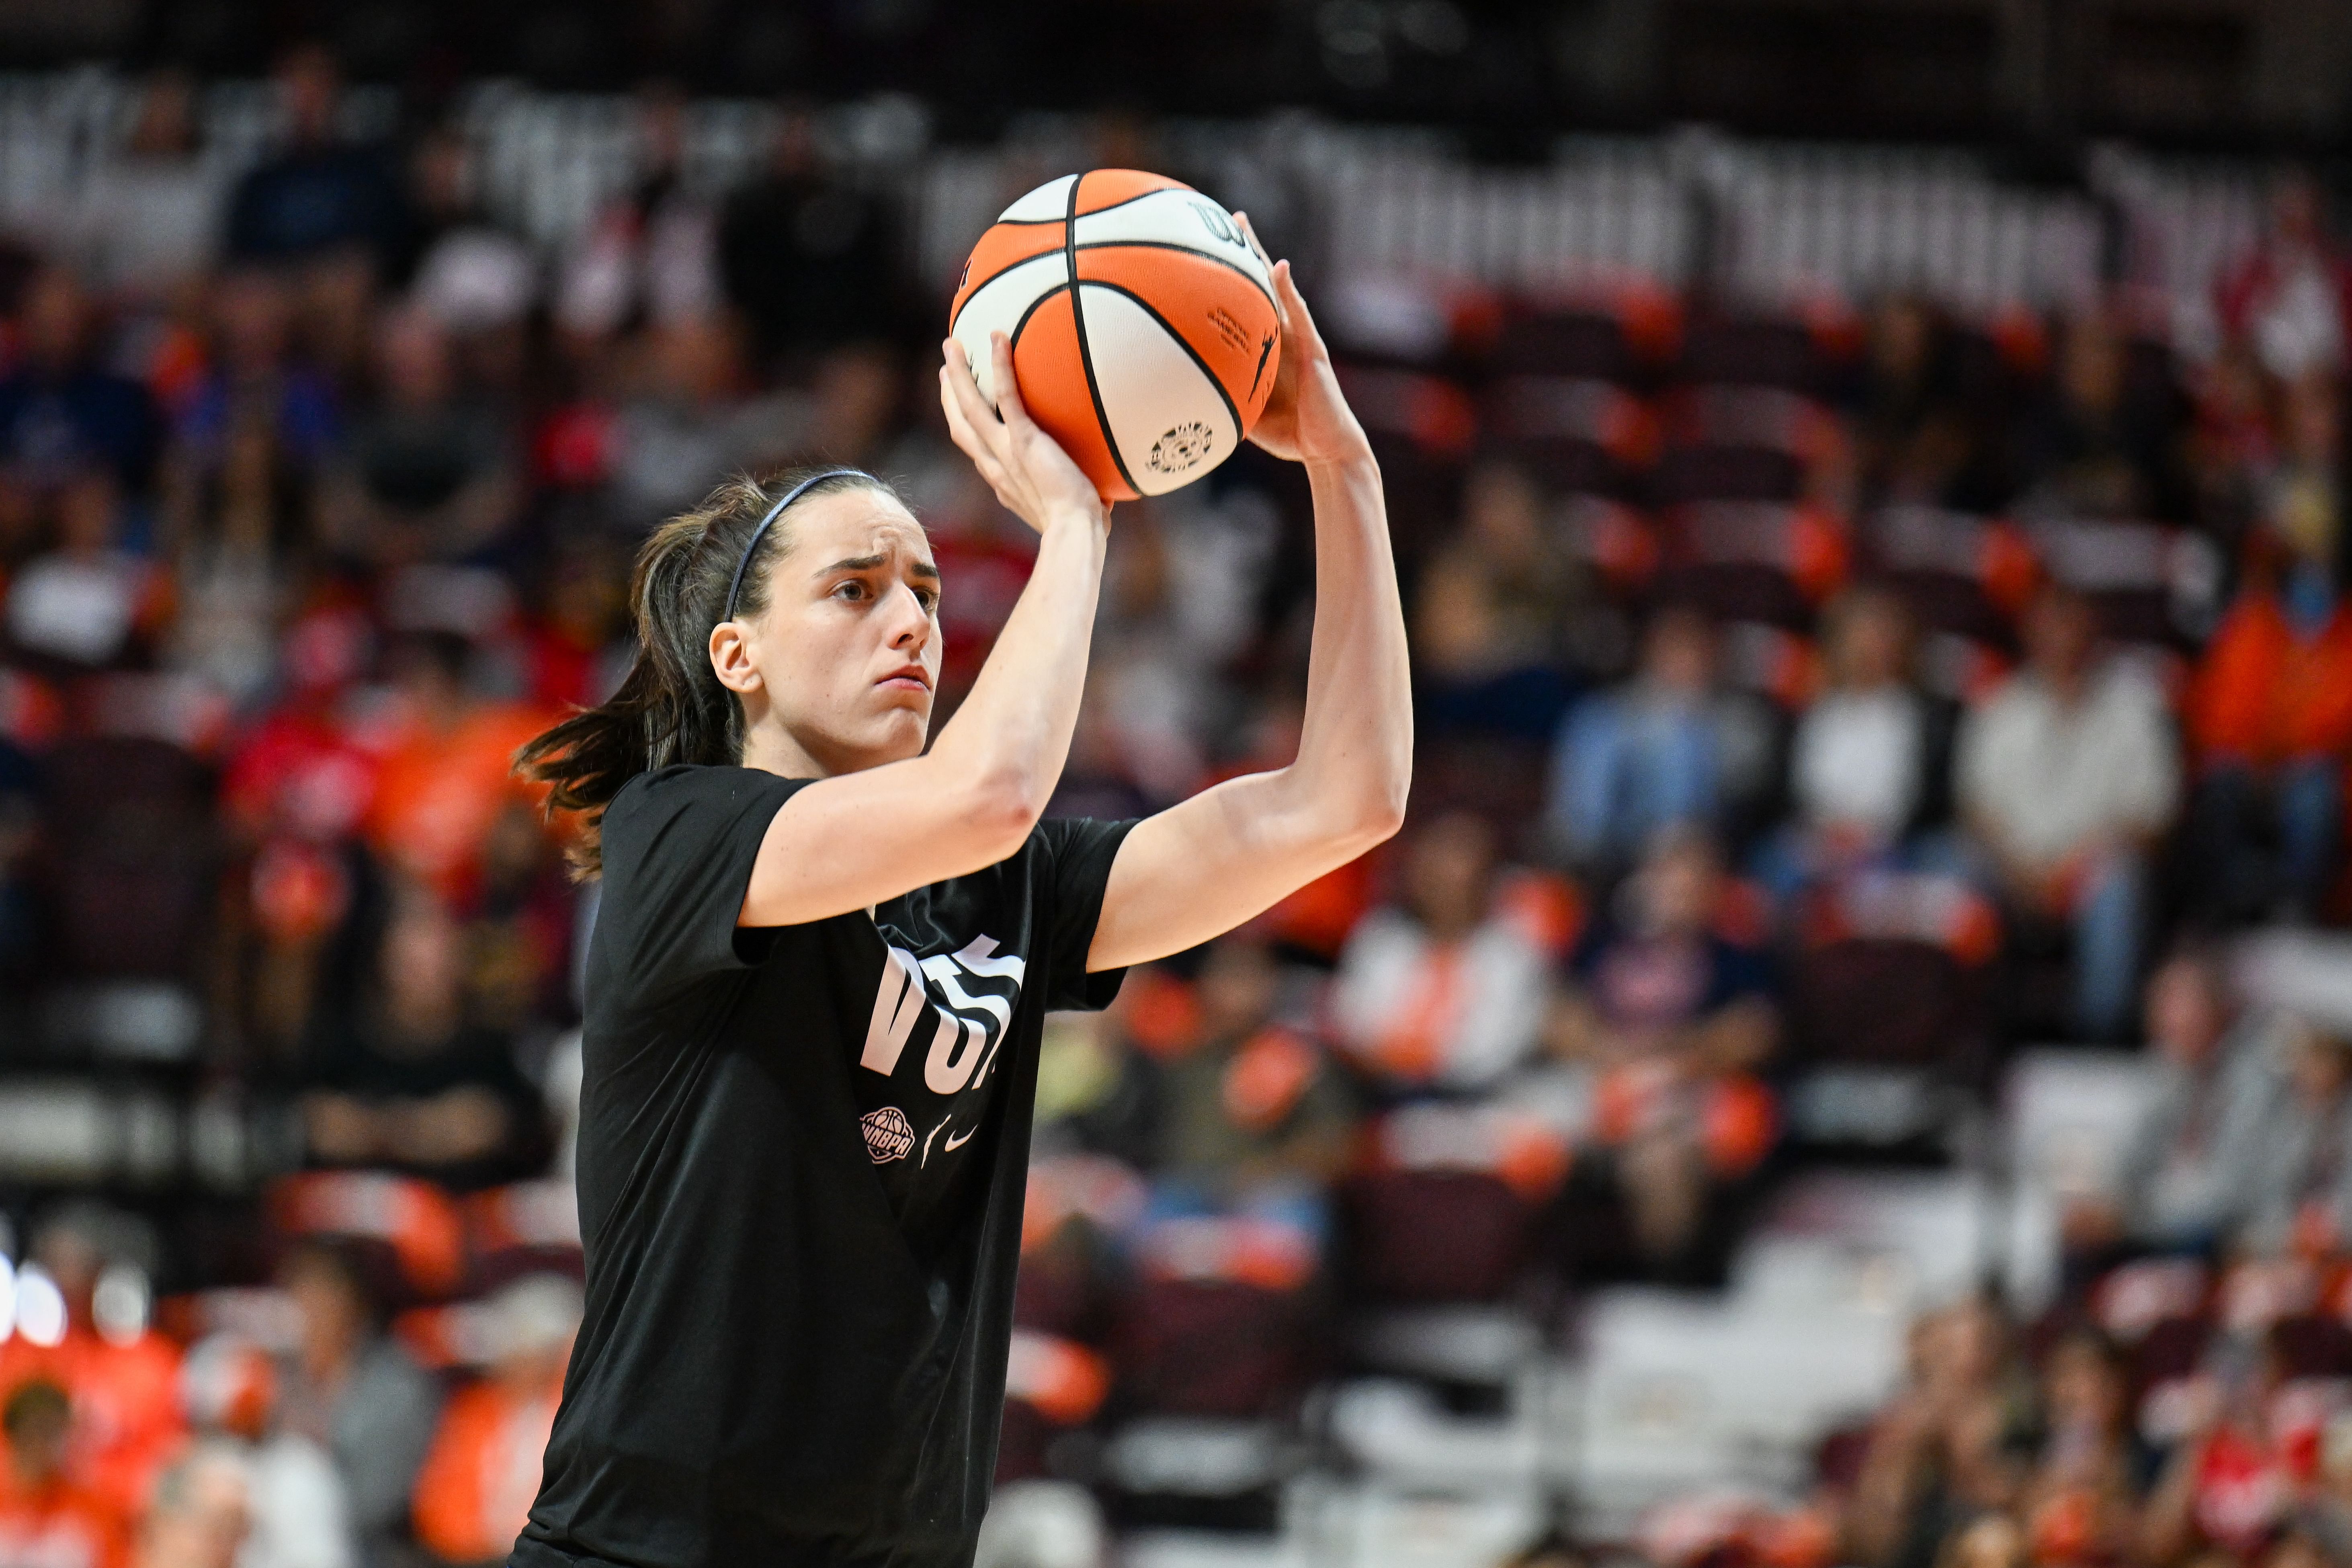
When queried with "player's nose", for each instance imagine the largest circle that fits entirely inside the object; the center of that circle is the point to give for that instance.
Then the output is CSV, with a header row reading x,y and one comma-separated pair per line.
x,y
910,621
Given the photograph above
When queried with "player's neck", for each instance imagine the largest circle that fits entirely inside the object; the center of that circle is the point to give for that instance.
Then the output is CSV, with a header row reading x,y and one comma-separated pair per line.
x,y
773,750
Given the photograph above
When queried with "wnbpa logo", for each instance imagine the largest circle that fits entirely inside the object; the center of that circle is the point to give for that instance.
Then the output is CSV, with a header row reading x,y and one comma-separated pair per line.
x,y
970,1028
889,1134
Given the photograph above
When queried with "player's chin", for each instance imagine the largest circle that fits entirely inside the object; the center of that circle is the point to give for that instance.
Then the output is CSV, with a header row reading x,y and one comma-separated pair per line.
x,y
899,730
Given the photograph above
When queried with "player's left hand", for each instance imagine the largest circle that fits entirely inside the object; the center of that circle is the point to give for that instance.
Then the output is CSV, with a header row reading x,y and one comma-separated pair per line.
x,y
1307,419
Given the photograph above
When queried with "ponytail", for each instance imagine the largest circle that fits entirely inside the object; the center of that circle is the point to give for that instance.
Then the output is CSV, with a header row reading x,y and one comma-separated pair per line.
x,y
671,707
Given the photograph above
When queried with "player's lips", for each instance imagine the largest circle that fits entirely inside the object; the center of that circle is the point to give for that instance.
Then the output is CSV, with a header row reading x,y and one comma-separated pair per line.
x,y
913,678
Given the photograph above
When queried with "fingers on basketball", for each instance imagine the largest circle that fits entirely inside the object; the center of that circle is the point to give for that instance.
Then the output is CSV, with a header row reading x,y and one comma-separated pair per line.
x,y
961,396
1297,322
1009,407
1250,234
970,441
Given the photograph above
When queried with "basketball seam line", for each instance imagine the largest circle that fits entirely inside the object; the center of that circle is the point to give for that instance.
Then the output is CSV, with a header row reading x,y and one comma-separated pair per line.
x,y
1231,410
1014,335
1086,355
1068,251
1013,338
1123,201
1170,245
1112,245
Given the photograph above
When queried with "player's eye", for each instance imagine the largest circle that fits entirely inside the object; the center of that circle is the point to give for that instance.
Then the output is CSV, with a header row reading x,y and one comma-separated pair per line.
x,y
852,589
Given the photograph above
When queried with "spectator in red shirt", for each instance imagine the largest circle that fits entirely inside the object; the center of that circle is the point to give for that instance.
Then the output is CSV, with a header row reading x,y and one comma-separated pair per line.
x,y
297,785
573,649
2233,1480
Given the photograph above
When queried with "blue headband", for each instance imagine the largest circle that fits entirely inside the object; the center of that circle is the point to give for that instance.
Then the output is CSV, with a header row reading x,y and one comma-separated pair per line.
x,y
735,587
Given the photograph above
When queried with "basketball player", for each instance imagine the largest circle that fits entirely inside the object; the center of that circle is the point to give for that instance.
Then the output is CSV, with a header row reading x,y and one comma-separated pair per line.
x,y
821,960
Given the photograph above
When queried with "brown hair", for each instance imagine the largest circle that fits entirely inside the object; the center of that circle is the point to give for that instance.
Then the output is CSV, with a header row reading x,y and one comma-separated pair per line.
x,y
671,707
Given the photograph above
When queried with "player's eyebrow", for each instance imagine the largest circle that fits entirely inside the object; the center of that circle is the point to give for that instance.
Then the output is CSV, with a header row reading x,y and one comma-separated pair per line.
x,y
867,563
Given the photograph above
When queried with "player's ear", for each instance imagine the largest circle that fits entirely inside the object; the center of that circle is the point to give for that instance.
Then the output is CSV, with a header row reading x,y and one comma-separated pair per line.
x,y
730,658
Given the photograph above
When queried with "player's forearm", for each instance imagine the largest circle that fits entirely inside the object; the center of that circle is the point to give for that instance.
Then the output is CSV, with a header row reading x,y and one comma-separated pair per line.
x,y
1355,751
1008,742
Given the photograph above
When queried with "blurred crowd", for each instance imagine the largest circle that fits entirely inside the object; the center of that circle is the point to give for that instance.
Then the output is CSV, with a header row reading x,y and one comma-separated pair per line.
x,y
2186,1398
1861,686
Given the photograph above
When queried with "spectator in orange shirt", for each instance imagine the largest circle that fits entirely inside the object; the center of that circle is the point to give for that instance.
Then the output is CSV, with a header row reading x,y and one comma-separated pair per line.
x,y
444,783
121,1381
476,1489
46,1520
2270,718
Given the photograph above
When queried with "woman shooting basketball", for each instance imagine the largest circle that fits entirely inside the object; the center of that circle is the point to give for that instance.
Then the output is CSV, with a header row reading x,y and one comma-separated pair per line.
x,y
820,963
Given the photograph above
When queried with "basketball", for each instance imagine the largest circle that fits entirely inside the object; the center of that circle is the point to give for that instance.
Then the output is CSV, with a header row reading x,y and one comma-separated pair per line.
x,y
1144,334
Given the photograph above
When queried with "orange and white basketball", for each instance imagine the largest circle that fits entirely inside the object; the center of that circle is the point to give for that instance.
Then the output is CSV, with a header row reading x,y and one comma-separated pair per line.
x,y
1144,334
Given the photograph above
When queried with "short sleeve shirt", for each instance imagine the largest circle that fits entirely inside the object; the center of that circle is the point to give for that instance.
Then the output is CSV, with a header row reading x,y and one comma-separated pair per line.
x,y
802,1154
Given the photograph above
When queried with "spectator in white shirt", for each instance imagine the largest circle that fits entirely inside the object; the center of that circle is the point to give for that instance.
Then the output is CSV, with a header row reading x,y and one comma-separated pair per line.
x,y
82,604
145,219
229,1388
1444,989
2219,1083
2288,299
2066,777
652,255
2290,1174
1866,766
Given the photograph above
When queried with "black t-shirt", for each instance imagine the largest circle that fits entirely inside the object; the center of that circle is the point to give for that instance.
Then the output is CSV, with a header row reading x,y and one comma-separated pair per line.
x,y
802,1154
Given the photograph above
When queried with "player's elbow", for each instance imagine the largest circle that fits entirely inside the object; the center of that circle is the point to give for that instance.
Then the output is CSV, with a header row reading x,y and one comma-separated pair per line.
x,y
1377,804
1365,818
1341,802
1375,822
1000,809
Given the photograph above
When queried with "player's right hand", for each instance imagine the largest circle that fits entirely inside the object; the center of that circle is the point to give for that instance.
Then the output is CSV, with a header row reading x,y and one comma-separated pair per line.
x,y
1027,468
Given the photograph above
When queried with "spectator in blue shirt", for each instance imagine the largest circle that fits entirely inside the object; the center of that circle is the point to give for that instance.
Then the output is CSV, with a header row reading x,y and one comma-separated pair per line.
x,y
255,386
61,413
319,194
1670,747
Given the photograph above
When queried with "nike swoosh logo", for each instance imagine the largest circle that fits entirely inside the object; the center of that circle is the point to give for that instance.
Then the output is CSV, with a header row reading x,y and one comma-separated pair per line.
x,y
949,1145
